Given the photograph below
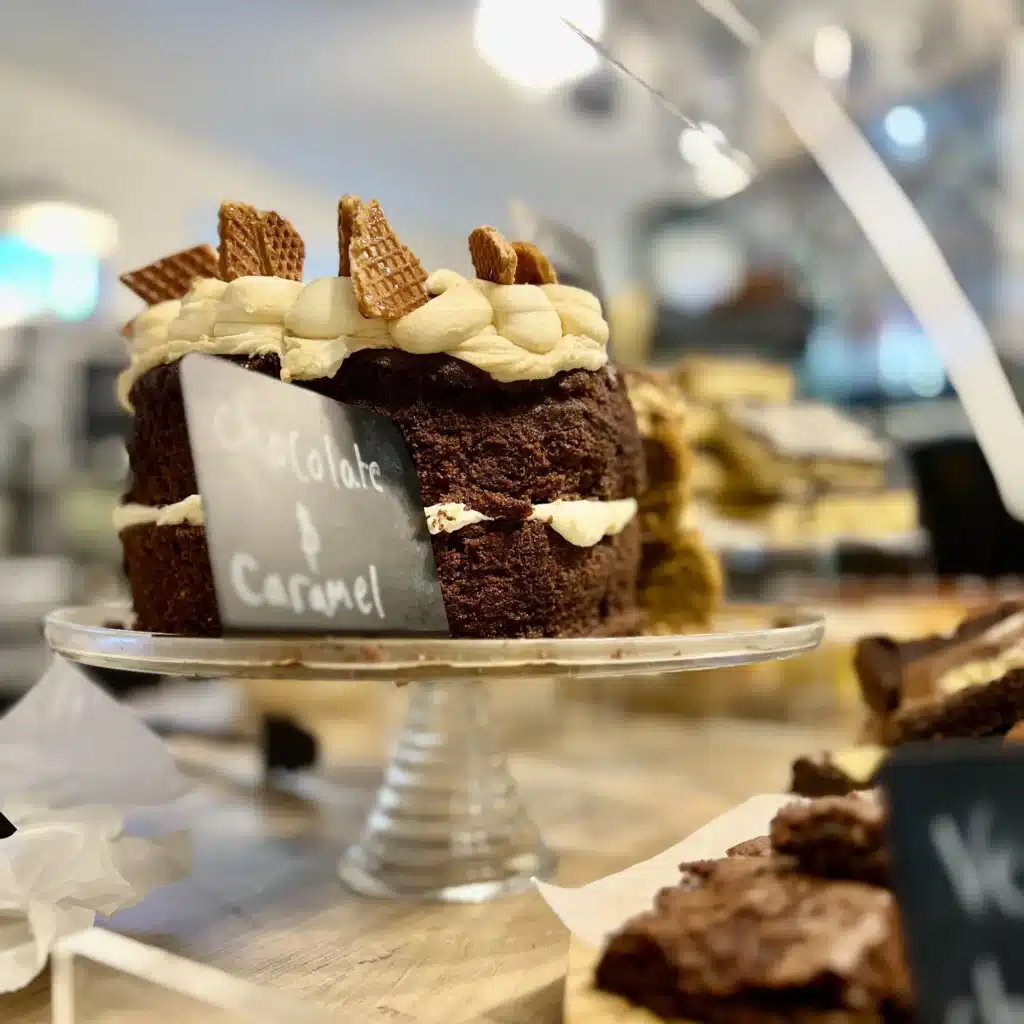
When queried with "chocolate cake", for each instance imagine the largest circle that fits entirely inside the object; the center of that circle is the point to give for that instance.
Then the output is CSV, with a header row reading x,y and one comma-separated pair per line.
x,y
522,433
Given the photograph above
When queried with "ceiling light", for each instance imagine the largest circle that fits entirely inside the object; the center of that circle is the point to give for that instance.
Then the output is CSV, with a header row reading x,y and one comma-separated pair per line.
x,y
705,142
833,52
526,42
57,227
906,127
723,177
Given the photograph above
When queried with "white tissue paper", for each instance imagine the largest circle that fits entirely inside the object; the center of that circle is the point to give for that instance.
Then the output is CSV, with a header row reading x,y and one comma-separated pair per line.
x,y
593,912
73,762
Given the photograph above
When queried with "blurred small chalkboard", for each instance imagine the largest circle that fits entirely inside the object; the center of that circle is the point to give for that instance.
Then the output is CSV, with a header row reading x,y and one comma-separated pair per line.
x,y
971,532
312,509
956,840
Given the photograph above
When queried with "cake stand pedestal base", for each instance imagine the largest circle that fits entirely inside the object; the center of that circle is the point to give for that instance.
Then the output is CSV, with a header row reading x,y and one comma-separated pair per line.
x,y
447,823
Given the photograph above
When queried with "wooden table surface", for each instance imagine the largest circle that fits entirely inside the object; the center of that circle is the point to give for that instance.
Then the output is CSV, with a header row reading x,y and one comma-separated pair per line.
x,y
264,903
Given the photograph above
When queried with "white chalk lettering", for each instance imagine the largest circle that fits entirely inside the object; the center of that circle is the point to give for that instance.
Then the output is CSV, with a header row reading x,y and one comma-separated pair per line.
x,y
361,592
989,1003
293,455
241,563
367,469
333,458
375,586
315,465
275,593
348,475
296,585
337,593
317,601
299,593
237,429
981,871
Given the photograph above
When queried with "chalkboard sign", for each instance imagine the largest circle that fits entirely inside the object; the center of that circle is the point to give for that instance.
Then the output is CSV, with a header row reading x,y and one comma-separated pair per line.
x,y
956,835
312,509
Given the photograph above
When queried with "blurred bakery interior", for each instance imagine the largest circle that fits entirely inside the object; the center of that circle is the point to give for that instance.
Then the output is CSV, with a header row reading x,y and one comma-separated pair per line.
x,y
831,460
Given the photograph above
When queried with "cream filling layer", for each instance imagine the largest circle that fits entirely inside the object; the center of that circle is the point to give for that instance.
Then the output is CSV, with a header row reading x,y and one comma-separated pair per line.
x,y
582,523
187,512
511,332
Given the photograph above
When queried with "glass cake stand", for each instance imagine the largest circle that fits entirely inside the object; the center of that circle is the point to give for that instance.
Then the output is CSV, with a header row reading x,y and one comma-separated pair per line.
x,y
447,822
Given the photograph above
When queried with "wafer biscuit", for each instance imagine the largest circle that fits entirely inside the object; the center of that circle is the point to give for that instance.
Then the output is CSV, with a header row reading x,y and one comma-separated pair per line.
x,y
171,277
348,205
282,250
493,258
388,279
532,266
240,230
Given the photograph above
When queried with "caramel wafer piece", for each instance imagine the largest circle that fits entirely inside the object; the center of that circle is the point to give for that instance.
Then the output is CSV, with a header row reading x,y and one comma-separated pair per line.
x,y
532,266
282,250
240,230
348,206
493,258
388,279
171,277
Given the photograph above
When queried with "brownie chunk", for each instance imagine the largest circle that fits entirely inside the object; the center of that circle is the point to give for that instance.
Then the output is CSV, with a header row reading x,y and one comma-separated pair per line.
x,y
840,837
837,773
889,671
759,846
767,947
700,872
987,709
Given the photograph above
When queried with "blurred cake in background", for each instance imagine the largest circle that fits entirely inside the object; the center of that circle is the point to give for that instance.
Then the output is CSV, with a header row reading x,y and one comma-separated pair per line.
x,y
771,472
680,582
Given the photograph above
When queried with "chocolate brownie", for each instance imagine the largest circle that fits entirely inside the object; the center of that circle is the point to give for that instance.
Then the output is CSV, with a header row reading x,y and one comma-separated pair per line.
x,y
987,709
838,773
840,837
759,846
765,947
890,671
700,872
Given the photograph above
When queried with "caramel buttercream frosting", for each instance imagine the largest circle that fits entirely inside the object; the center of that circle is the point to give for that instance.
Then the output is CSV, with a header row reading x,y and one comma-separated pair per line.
x,y
512,332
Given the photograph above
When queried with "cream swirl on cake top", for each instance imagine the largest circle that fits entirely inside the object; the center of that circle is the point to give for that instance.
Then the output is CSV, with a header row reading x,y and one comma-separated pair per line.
x,y
511,332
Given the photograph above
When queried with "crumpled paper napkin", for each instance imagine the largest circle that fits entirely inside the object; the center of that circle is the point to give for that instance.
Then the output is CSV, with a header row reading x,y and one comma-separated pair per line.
x,y
73,763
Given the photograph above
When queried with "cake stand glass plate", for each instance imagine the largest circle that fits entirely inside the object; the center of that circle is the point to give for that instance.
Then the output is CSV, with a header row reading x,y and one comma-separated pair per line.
x,y
447,823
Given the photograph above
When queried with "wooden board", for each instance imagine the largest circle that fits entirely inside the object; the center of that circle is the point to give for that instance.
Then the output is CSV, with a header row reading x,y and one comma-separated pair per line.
x,y
264,902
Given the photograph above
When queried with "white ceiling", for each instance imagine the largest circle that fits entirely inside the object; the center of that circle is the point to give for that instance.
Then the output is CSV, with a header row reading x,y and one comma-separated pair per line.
x,y
385,98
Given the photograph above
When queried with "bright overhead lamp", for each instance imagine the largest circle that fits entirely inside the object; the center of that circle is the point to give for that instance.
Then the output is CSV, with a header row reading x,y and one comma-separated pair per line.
x,y
528,44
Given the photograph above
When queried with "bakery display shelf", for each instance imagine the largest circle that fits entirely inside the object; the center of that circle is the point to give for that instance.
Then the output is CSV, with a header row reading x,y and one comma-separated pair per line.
x,y
447,823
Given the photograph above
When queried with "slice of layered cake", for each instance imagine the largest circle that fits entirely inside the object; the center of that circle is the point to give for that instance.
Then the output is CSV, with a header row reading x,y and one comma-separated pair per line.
x,y
523,437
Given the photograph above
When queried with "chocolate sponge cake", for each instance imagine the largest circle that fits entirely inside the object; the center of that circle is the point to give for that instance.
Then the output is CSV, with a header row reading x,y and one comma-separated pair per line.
x,y
522,433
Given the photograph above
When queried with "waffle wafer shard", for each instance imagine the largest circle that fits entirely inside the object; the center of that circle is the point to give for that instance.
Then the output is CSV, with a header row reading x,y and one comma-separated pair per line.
x,y
388,279
282,250
240,230
348,206
171,277
493,258
532,266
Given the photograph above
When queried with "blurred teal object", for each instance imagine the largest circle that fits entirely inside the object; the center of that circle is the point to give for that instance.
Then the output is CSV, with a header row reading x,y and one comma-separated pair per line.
x,y
37,284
